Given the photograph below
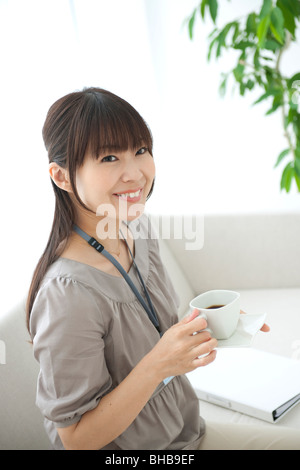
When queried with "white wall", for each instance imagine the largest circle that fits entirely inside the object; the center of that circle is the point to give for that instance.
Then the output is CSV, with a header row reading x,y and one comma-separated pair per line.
x,y
221,150
212,155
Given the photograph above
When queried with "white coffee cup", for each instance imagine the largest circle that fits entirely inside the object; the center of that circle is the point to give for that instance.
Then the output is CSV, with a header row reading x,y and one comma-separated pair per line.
x,y
221,309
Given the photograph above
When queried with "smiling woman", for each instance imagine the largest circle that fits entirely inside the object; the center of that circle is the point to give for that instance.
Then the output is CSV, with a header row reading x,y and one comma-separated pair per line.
x,y
81,127
93,341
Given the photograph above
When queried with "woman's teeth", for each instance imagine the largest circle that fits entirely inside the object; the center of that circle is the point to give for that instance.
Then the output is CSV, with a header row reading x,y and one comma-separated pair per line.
x,y
131,195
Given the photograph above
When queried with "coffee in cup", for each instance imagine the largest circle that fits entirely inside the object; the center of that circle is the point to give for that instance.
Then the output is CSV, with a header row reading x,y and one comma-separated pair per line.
x,y
221,309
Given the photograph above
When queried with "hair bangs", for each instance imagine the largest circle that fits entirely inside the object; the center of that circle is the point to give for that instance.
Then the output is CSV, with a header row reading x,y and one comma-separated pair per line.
x,y
116,126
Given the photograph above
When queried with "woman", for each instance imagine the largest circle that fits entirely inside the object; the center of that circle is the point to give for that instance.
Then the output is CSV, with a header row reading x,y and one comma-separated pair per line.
x,y
112,358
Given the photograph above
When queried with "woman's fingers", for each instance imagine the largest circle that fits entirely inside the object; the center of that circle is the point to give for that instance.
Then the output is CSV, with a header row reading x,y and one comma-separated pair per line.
x,y
205,347
200,340
193,322
204,360
182,343
190,317
265,328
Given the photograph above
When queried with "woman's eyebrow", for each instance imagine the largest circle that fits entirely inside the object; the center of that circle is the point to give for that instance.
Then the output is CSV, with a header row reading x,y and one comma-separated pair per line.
x,y
118,149
109,150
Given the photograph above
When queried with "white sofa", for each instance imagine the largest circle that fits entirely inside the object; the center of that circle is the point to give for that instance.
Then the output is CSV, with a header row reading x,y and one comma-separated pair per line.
x,y
258,255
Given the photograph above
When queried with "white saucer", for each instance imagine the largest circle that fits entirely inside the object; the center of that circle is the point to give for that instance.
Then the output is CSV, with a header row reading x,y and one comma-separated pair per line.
x,y
248,326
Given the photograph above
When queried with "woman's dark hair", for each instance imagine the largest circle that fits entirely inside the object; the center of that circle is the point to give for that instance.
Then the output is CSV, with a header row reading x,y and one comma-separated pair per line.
x,y
89,120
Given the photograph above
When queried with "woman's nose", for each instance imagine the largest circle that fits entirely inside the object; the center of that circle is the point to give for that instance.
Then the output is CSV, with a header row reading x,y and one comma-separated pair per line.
x,y
131,171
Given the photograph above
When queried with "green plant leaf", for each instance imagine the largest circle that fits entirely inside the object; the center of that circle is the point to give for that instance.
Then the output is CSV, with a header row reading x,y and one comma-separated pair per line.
x,y
289,19
222,87
287,177
263,97
251,23
212,33
272,45
213,42
297,172
277,24
202,8
293,79
242,45
297,179
250,84
293,6
296,127
236,33
266,9
221,38
269,92
213,8
297,166
273,109
262,30
256,60
291,116
238,72
191,24
281,156
277,102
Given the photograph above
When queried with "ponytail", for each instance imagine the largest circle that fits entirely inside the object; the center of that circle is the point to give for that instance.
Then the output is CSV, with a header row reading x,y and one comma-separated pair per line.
x,y
59,234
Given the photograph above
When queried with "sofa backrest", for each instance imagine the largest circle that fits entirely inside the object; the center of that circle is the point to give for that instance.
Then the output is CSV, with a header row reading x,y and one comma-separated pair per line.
x,y
249,251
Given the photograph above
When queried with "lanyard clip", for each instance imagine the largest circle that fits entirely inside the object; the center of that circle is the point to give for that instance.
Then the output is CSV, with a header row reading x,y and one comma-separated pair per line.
x,y
95,244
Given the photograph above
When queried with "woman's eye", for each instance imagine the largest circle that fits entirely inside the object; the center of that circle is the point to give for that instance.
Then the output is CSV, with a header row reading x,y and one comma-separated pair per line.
x,y
109,158
141,151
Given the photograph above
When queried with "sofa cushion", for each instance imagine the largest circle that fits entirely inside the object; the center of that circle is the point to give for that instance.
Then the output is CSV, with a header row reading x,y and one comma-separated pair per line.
x,y
21,421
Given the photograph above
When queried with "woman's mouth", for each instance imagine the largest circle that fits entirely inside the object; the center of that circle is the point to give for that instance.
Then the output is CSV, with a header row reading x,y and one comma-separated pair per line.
x,y
130,196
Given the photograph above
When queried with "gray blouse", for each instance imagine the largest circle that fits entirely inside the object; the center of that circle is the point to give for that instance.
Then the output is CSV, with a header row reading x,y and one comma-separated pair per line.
x,y
89,331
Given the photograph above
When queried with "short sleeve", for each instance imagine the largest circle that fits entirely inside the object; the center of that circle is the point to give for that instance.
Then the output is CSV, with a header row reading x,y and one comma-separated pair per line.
x,y
68,338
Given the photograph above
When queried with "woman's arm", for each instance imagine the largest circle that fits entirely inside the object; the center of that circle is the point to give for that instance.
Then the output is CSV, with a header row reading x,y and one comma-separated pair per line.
x,y
176,353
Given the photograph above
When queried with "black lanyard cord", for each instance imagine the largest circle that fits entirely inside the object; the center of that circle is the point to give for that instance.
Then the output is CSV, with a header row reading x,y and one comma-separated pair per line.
x,y
100,248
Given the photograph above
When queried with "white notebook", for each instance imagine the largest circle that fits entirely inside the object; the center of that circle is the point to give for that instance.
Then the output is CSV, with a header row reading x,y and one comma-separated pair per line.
x,y
250,381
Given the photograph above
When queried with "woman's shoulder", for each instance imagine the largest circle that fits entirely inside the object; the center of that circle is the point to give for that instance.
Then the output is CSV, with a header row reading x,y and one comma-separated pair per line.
x,y
67,279
67,296
65,269
64,279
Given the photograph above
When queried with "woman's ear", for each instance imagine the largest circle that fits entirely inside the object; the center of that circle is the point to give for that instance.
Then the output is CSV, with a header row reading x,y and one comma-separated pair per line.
x,y
60,177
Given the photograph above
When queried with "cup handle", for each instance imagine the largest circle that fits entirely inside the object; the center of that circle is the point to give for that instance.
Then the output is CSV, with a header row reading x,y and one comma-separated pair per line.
x,y
202,315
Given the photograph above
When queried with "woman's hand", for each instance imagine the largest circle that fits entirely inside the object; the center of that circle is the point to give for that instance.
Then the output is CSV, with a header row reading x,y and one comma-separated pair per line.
x,y
265,328
178,351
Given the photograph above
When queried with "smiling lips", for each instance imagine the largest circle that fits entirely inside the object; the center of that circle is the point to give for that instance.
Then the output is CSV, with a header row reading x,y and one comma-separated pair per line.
x,y
132,196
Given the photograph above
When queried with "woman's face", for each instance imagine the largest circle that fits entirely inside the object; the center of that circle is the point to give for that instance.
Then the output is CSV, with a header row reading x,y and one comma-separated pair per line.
x,y
117,183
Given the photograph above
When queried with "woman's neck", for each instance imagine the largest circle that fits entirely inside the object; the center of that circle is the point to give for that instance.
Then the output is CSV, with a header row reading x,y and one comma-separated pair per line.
x,y
109,232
